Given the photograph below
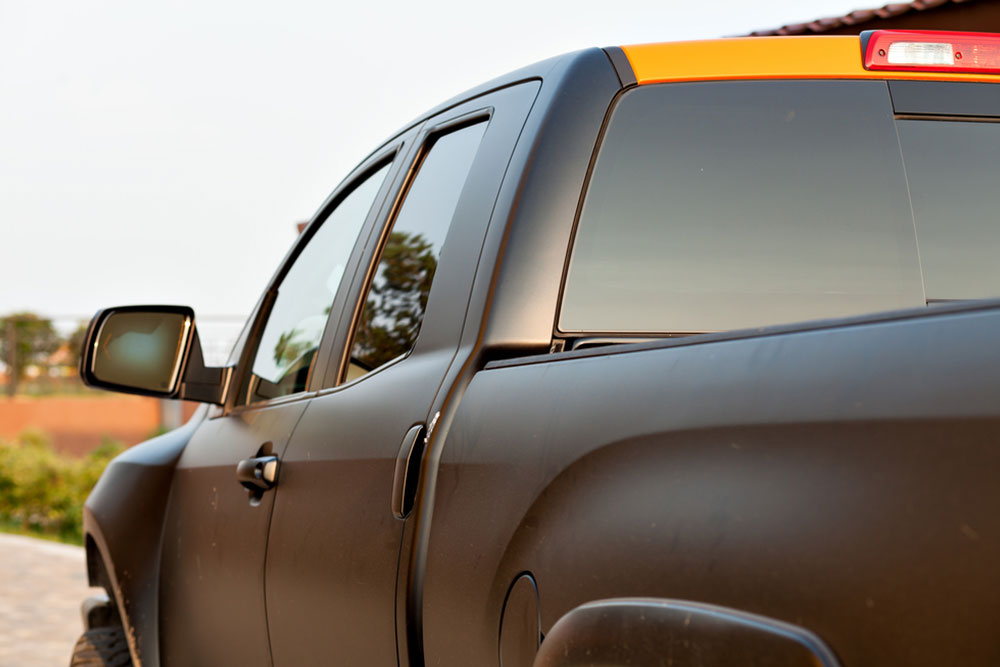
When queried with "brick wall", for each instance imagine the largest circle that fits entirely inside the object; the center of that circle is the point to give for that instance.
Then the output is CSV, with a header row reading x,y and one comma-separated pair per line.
x,y
76,424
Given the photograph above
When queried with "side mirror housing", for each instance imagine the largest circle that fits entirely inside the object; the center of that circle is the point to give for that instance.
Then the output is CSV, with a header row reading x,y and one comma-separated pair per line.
x,y
152,351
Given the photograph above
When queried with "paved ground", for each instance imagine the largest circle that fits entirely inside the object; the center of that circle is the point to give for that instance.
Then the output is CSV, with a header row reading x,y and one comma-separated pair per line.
x,y
41,587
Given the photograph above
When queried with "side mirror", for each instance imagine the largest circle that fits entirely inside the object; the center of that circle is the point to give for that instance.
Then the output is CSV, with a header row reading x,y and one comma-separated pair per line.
x,y
149,350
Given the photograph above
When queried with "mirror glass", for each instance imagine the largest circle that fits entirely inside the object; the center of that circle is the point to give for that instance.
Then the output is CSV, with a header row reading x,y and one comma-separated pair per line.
x,y
141,349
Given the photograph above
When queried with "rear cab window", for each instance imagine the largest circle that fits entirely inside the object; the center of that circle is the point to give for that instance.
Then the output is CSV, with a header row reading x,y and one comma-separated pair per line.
x,y
728,205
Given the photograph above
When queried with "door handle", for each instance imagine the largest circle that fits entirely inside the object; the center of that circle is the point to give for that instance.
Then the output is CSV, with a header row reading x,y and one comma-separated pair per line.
x,y
257,475
404,482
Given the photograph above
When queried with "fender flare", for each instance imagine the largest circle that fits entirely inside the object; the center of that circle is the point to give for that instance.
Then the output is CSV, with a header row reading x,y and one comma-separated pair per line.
x,y
642,631
123,529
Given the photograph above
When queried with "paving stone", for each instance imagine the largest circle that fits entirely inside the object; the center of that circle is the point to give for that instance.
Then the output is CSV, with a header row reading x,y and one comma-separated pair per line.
x,y
41,587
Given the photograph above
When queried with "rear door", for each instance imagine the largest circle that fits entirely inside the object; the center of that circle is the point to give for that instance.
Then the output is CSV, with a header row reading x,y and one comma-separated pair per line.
x,y
335,536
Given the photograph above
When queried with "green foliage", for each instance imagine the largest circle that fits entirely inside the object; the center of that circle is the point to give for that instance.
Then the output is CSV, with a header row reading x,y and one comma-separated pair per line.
x,y
42,491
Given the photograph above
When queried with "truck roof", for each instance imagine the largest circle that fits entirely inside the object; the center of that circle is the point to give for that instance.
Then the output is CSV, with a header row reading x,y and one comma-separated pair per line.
x,y
812,57
798,57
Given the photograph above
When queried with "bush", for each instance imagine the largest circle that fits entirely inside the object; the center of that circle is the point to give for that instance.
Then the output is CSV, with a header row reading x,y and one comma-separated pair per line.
x,y
43,491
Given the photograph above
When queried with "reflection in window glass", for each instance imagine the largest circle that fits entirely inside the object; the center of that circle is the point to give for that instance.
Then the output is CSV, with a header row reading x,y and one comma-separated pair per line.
x,y
298,317
725,205
396,301
952,170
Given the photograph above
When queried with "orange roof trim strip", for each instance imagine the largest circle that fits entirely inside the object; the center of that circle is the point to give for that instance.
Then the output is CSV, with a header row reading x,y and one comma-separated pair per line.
x,y
819,57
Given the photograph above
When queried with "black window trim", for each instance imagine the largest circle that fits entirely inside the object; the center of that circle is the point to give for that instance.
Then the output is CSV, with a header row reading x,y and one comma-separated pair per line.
x,y
956,100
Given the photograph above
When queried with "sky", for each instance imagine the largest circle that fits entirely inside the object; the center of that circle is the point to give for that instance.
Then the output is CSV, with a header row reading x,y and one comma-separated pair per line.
x,y
163,152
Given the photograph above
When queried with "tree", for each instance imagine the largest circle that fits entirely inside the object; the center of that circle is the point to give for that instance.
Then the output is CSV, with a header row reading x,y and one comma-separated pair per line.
x,y
26,339
75,342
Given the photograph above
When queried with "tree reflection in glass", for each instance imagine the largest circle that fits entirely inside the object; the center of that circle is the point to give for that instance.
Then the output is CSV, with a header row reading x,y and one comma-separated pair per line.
x,y
397,300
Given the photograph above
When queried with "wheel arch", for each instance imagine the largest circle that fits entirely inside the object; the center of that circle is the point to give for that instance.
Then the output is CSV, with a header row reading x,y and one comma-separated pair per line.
x,y
123,527
639,631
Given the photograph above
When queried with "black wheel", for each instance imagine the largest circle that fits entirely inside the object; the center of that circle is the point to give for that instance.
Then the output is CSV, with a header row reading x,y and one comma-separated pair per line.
x,y
101,647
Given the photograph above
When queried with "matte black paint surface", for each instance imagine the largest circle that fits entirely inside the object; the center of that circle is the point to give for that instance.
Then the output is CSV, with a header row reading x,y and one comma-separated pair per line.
x,y
212,572
520,633
123,520
842,480
334,543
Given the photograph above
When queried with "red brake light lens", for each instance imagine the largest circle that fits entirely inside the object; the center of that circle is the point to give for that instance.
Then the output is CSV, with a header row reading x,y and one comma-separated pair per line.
x,y
933,51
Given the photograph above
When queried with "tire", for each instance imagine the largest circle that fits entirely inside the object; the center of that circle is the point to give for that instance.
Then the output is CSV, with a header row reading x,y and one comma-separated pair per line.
x,y
101,647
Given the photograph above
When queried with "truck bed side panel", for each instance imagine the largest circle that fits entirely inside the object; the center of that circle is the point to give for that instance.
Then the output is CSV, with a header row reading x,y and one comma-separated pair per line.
x,y
841,479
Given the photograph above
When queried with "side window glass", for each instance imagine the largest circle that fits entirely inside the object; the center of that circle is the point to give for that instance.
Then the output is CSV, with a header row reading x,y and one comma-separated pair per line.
x,y
295,325
394,307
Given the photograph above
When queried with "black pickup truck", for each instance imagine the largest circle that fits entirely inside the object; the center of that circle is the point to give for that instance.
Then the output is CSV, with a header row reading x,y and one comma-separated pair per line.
x,y
676,354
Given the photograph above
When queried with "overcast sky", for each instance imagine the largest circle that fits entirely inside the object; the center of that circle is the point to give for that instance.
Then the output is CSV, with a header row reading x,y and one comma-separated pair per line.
x,y
162,152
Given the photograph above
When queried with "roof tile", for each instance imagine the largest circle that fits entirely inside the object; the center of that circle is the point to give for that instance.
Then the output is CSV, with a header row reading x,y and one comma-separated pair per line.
x,y
856,17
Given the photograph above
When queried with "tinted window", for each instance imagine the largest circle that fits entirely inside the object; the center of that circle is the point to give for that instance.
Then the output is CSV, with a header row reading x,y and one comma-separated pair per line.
x,y
298,317
736,204
952,171
394,308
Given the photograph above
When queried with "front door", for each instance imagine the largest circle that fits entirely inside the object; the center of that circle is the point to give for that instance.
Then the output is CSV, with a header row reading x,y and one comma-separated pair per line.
x,y
212,607
211,598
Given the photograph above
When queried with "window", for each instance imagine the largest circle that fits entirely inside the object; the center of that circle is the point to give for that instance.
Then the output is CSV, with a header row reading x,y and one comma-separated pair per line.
x,y
397,298
951,168
298,317
725,205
